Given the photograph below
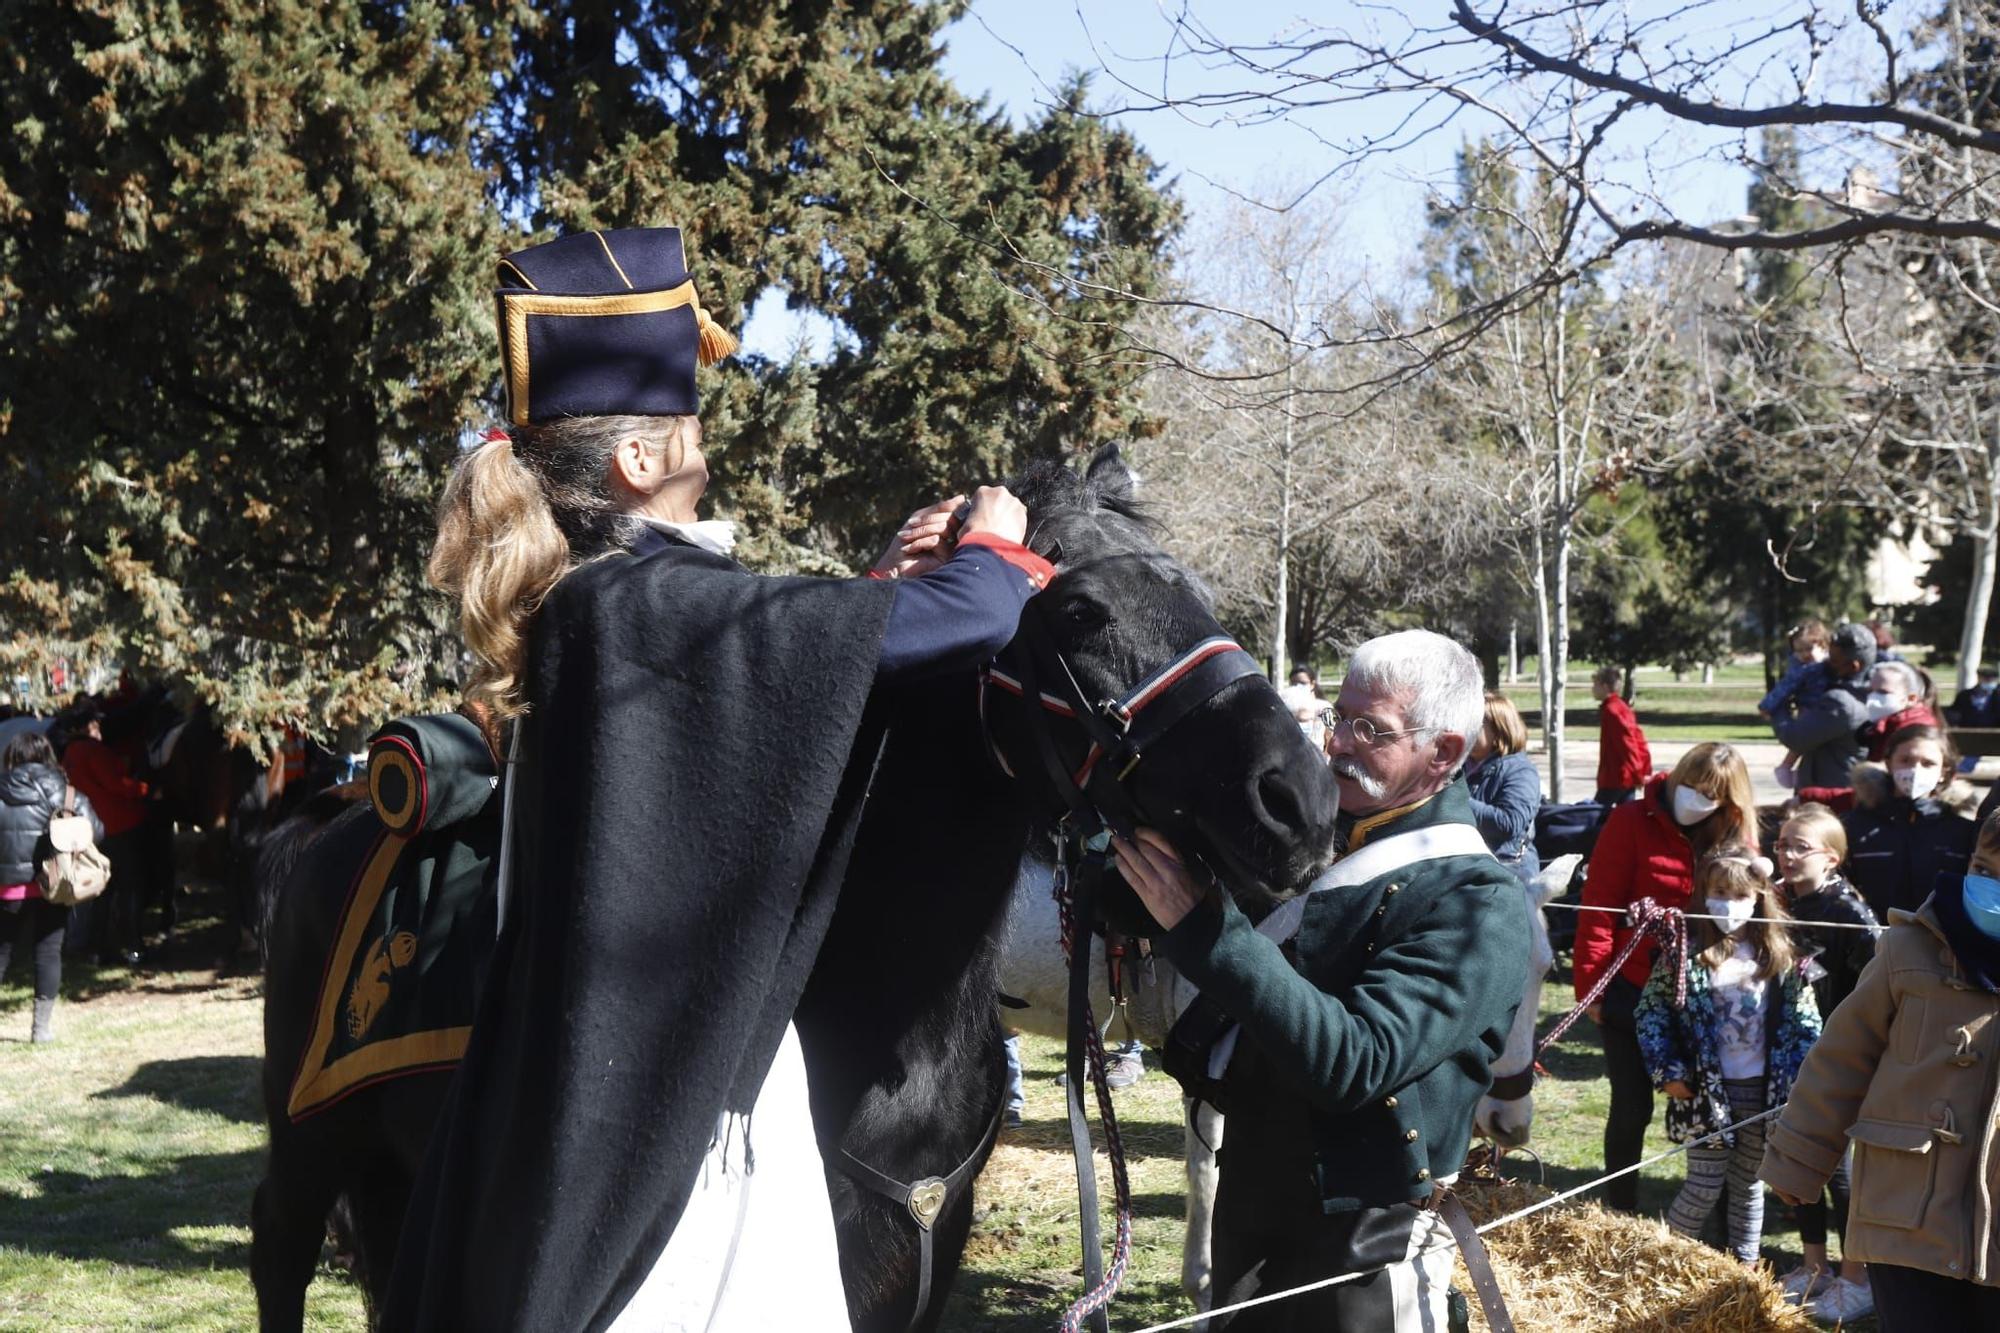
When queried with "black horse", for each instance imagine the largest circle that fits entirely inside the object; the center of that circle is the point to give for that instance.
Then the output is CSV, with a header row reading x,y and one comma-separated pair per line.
x,y
902,1044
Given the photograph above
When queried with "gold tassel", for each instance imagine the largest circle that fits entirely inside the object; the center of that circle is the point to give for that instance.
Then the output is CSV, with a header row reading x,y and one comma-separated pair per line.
x,y
716,341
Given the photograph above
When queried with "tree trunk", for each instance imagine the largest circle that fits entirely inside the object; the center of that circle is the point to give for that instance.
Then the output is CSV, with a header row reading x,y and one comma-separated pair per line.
x,y
1281,600
1558,659
1543,636
1513,650
1979,597
1278,621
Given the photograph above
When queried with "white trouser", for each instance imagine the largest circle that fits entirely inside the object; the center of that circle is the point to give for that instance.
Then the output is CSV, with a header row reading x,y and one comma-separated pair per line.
x,y
755,1249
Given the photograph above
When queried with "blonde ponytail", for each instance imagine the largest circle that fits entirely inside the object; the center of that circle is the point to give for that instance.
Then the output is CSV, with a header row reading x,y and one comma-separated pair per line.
x,y
519,514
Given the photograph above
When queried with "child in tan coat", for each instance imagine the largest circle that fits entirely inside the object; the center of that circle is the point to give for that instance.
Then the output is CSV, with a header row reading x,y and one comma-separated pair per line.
x,y
1906,1070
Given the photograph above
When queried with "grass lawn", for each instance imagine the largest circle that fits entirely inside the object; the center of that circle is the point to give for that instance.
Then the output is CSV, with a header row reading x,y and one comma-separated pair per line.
x,y
132,1146
1668,710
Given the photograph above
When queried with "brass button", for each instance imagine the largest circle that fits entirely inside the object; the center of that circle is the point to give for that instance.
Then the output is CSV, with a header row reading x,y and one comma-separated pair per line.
x,y
1389,1102
1424,1174
1410,1136
1393,888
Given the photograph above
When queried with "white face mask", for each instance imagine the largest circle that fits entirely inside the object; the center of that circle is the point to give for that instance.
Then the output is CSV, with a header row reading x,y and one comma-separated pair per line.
x,y
1885,703
1691,807
1915,783
1733,913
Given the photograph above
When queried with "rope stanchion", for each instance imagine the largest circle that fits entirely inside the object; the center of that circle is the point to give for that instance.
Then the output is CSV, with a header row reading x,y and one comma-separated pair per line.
x,y
1121,1248
1792,922
1498,1222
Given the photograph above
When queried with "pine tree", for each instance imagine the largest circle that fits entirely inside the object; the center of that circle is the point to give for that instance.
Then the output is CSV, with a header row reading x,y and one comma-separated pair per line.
x,y
246,254
243,326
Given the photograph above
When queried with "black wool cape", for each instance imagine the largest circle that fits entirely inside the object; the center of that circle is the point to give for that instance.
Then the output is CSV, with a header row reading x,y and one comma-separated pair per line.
x,y
693,768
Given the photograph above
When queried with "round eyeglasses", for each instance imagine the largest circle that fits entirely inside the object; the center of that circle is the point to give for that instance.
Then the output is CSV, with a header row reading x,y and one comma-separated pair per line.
x,y
1365,732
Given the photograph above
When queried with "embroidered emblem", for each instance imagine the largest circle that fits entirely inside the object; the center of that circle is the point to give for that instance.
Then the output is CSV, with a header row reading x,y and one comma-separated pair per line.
x,y
371,988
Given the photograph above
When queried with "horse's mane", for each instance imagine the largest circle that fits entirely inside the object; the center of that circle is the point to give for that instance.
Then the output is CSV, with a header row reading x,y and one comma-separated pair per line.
x,y
1050,487
285,845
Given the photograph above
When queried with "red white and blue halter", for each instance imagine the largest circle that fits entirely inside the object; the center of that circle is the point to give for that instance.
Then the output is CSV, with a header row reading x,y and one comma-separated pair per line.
x,y
1122,729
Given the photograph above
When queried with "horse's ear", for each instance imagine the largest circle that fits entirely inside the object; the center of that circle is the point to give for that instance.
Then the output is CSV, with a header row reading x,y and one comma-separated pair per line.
x,y
1110,477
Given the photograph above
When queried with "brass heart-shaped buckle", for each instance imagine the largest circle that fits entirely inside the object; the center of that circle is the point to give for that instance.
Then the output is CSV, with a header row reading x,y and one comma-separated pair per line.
x,y
927,1201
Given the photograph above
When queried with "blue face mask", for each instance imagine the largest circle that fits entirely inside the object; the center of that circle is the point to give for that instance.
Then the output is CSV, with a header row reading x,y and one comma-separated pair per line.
x,y
1982,904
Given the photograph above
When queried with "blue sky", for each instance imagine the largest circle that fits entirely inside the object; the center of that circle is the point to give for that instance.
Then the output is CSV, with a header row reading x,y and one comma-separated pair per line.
x,y
1012,51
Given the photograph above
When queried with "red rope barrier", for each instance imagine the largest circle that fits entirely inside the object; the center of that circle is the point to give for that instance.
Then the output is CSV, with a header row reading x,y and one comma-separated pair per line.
x,y
1114,1146
1646,918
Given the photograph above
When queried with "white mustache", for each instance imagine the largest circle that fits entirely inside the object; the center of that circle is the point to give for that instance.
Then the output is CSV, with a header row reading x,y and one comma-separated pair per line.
x,y
1347,766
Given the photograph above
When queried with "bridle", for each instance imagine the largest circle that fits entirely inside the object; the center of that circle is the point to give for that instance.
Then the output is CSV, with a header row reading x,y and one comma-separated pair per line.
x,y
1120,730
1096,799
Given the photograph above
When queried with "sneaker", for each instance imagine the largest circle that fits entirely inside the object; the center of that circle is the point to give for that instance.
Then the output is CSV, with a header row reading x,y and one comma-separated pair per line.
x,y
1126,1070
1802,1283
1842,1302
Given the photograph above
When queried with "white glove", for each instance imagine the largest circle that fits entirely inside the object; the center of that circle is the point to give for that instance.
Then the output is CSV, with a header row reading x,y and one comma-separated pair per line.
x,y
1788,778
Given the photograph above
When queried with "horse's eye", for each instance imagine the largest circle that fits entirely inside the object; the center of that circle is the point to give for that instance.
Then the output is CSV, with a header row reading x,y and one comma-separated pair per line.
x,y
1083,613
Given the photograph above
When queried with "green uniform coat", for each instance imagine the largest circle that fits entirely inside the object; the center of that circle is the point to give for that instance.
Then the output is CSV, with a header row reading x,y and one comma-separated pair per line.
x,y
1384,1013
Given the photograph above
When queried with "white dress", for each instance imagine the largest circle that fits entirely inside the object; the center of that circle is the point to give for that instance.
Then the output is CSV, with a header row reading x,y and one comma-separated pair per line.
x,y
755,1250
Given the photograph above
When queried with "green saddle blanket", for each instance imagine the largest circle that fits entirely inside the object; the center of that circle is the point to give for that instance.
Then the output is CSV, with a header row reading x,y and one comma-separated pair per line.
x,y
416,932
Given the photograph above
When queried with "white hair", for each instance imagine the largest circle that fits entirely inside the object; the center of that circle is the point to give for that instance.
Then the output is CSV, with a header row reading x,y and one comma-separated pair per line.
x,y
1913,684
1299,696
1439,681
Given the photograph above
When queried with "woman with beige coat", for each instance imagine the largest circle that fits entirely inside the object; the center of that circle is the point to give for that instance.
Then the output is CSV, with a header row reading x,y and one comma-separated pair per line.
x,y
1906,1069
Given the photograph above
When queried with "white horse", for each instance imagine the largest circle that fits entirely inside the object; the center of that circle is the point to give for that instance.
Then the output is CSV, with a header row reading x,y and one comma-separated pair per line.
x,y
1032,970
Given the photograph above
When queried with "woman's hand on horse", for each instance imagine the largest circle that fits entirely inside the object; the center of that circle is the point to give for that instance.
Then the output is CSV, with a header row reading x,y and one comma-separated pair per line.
x,y
996,510
1678,1090
923,542
1156,874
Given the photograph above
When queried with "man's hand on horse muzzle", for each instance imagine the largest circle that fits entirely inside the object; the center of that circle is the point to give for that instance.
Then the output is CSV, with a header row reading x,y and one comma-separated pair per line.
x,y
1158,875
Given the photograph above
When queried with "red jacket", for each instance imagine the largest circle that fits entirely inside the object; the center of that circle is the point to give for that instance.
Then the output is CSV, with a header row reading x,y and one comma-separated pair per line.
x,y
1875,736
102,774
1641,853
1623,758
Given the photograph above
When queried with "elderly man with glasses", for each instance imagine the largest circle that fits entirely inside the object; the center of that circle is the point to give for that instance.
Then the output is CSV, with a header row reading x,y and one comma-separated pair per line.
x,y
1348,1035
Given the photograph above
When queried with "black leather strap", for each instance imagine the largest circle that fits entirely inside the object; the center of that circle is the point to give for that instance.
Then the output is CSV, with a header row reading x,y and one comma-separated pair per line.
x,y
1513,1087
914,1195
1477,1264
1083,891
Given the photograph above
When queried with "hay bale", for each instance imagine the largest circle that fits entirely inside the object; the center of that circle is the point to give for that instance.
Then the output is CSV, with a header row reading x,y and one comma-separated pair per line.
x,y
1583,1269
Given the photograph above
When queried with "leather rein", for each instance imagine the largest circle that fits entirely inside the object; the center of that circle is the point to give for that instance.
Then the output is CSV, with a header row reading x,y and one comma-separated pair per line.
x,y
1119,732
1096,799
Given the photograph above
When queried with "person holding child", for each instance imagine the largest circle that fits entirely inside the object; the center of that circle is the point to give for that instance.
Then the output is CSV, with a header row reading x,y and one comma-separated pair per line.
x,y
1834,927
1730,1051
1806,680
1904,1071
1817,727
1649,849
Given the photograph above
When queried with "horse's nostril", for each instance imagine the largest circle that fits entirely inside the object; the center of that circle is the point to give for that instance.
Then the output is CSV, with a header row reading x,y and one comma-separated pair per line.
x,y
1280,801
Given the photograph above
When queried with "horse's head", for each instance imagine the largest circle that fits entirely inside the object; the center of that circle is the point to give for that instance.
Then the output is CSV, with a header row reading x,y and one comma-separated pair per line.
x,y
1206,752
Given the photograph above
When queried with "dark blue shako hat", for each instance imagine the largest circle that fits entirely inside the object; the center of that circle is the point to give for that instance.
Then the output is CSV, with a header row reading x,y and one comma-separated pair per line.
x,y
604,323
